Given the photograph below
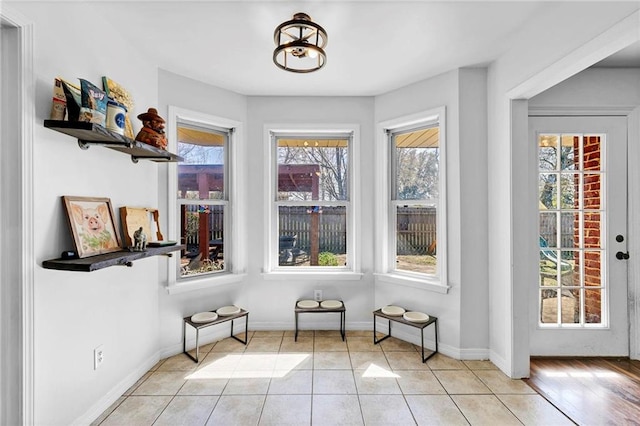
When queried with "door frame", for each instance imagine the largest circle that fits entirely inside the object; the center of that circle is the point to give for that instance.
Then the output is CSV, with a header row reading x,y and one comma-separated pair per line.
x,y
523,232
22,400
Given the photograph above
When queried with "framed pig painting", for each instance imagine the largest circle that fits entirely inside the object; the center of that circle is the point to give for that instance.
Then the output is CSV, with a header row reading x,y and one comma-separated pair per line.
x,y
92,225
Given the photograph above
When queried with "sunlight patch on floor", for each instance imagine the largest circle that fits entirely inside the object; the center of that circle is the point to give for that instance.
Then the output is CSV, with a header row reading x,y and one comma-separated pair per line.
x,y
587,374
249,366
377,371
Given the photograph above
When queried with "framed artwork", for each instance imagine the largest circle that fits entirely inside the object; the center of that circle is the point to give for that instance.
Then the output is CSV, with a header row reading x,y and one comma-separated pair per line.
x,y
120,94
92,225
133,218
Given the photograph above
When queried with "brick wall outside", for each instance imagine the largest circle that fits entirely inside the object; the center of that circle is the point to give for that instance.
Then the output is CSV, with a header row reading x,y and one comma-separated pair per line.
x,y
592,185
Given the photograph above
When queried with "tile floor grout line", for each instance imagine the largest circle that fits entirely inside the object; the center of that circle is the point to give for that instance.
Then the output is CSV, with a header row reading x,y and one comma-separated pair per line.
x,y
164,409
354,373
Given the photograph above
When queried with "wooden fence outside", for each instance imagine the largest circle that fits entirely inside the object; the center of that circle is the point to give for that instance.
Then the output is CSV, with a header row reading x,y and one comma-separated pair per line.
x,y
548,230
191,217
416,228
295,220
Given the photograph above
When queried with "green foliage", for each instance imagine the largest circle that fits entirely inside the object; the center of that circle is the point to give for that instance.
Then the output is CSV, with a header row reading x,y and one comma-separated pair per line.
x,y
192,226
96,242
327,259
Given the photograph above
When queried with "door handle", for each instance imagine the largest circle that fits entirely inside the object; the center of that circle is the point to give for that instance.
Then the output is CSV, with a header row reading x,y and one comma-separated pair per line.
x,y
622,256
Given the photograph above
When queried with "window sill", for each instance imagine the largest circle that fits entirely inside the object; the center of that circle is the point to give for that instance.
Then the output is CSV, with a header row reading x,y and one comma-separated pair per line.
x,y
312,275
205,283
420,283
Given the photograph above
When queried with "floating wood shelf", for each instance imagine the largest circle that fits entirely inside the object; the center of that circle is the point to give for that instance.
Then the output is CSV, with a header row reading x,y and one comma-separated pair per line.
x,y
124,258
94,134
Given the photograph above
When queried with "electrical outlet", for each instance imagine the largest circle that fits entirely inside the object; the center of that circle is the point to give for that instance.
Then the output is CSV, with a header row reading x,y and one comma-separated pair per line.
x,y
317,295
98,357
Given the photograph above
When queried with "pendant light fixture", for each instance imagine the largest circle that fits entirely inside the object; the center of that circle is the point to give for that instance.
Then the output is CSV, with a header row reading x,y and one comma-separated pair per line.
x,y
300,45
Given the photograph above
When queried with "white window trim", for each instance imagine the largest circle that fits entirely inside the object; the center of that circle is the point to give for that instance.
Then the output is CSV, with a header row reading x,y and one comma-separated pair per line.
x,y
235,259
271,271
385,235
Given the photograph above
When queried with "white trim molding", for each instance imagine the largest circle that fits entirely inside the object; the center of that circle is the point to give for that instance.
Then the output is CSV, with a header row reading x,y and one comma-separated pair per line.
x,y
634,232
561,111
25,257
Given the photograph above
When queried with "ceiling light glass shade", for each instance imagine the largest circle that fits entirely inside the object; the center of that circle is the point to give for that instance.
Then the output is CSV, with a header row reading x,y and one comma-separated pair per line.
x,y
300,45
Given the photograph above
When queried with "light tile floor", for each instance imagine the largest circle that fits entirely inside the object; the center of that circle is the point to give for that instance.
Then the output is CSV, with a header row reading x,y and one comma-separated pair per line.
x,y
322,380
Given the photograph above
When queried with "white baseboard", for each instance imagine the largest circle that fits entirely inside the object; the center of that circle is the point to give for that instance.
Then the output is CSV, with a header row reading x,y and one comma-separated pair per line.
x,y
112,396
407,334
500,362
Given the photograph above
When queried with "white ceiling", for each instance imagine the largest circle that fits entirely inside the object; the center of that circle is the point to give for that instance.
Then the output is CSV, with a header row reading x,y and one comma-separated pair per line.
x,y
374,46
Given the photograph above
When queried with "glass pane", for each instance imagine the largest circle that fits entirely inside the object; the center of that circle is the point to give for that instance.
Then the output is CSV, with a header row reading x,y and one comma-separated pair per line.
x,y
551,264
570,153
592,230
201,174
416,170
548,272
593,306
313,169
570,306
548,190
570,225
312,236
548,229
201,231
548,306
592,190
416,239
591,154
548,152
569,191
569,265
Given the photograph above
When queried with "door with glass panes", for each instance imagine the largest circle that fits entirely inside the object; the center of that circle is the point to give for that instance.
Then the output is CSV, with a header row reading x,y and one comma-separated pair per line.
x,y
579,301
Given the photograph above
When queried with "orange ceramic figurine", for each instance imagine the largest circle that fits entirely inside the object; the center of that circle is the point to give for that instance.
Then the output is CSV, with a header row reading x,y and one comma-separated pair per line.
x,y
152,131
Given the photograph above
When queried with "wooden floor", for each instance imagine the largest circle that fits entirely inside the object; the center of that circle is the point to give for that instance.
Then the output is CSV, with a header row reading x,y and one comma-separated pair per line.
x,y
590,391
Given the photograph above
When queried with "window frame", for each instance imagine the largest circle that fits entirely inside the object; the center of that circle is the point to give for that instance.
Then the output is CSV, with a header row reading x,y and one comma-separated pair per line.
x,y
386,205
272,269
235,260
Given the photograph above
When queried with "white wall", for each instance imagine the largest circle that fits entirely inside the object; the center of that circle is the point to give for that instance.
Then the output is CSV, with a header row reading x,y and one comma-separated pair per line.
x,y
513,76
182,92
594,88
115,307
271,302
474,301
463,93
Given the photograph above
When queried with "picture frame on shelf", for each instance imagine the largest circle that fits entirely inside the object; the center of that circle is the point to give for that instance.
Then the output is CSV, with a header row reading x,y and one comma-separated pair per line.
x,y
134,218
92,224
